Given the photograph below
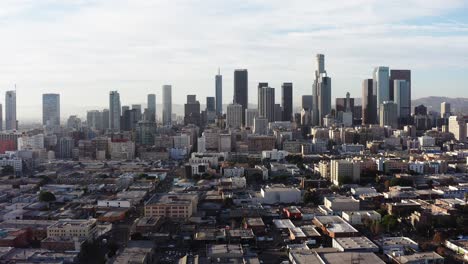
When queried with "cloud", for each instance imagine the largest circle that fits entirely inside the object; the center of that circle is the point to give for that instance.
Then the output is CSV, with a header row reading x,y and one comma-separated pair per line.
x,y
83,49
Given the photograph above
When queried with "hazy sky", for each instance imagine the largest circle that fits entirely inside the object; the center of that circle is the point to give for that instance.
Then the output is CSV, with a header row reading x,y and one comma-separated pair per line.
x,y
82,49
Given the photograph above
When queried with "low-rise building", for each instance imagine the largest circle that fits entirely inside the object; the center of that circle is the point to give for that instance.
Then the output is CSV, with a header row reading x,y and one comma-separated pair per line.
x,y
175,206
334,226
280,194
354,244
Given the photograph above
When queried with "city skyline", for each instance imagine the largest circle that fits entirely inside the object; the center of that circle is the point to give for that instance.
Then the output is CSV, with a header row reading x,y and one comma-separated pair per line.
x,y
84,62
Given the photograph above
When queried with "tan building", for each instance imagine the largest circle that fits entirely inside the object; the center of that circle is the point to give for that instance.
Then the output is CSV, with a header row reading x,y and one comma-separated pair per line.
x,y
344,171
71,228
176,206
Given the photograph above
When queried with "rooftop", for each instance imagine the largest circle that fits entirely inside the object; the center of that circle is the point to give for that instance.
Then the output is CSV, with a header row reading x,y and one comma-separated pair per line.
x,y
354,243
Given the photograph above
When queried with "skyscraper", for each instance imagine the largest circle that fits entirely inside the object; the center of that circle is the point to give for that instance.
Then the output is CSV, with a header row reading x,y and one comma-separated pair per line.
x,y
402,98
381,85
51,109
219,93
114,111
167,105
210,104
266,108
241,89
307,102
152,107
344,104
192,111
138,109
105,119
369,102
445,110
399,75
234,116
10,111
457,126
321,92
260,86
287,101
389,114
278,112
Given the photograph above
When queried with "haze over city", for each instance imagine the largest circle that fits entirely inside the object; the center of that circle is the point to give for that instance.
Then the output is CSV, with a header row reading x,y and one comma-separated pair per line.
x,y
83,49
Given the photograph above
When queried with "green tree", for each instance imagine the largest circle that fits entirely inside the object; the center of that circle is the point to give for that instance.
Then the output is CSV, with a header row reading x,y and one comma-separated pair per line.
x,y
390,222
46,197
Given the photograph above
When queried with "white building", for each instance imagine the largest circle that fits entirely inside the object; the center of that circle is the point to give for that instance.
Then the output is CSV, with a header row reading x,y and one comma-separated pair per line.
x,y
274,155
114,203
457,126
360,217
71,228
344,171
31,142
426,141
280,194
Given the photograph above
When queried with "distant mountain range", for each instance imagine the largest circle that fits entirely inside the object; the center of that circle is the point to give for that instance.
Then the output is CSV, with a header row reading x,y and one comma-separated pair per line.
x,y
433,103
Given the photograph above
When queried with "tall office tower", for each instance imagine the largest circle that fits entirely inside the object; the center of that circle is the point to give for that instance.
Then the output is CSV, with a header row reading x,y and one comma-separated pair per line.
x,y
151,102
210,104
399,75
287,101
324,97
94,119
278,112
241,89
321,92
105,119
457,126
369,102
114,111
192,111
307,102
250,115
10,110
129,119
138,109
344,104
402,98
260,86
445,110
420,110
51,109
234,116
125,108
167,105
266,105
1,117
389,114
219,93
381,86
